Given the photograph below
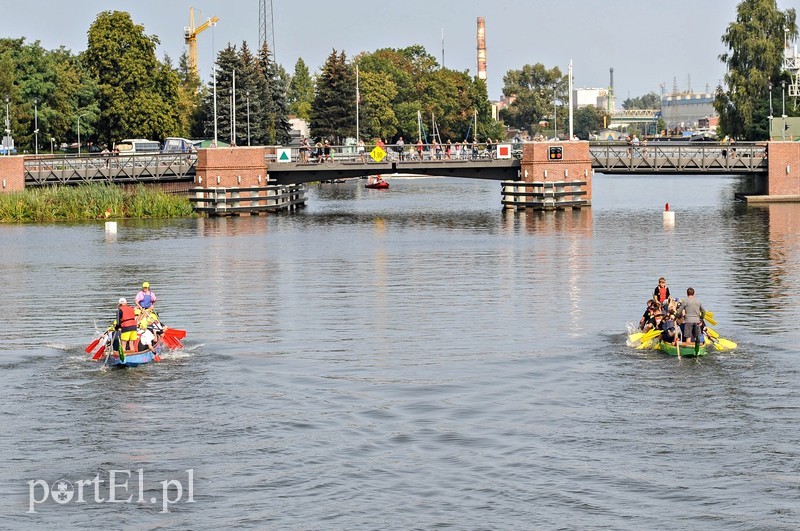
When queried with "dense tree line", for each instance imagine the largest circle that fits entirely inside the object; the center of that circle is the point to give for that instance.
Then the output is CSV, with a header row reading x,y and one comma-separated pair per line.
x,y
117,88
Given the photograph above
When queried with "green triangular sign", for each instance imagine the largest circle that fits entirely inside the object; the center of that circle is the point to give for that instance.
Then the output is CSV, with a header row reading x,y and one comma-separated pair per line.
x,y
284,156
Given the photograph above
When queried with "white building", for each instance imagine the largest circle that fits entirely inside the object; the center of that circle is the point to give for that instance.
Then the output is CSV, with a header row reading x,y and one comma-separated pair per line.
x,y
583,97
684,111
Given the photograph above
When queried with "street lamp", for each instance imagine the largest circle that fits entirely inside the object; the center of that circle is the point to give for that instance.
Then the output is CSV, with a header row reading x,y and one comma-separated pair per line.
x,y
79,132
36,123
51,144
8,129
783,109
770,109
214,65
555,119
247,94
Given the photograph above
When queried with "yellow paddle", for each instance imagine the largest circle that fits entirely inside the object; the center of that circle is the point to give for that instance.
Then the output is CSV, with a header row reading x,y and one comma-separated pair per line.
x,y
721,341
709,318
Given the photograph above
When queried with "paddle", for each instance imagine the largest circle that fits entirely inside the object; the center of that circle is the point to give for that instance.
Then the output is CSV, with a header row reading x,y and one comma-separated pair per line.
x,y
709,318
678,348
177,333
100,352
93,344
725,343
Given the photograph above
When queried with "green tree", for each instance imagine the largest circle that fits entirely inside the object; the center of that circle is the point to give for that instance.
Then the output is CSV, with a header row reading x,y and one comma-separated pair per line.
x,y
588,121
333,115
301,91
535,91
378,119
755,42
136,94
648,102
274,116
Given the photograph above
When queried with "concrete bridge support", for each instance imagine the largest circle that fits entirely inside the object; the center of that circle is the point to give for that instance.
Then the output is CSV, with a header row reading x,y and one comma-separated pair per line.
x,y
235,181
553,175
12,173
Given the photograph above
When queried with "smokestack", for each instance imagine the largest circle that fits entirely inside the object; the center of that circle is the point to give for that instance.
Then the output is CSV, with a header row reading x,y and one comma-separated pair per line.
x,y
611,90
481,48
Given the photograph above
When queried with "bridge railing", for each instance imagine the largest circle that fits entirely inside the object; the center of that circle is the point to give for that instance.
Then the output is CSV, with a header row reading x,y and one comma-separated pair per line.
x,y
394,153
61,169
666,157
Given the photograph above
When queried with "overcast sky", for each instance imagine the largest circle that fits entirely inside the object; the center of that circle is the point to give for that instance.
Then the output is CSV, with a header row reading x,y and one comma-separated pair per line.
x,y
647,42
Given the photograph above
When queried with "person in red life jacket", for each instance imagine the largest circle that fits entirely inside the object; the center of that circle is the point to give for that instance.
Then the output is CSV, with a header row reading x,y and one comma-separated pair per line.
x,y
661,294
126,324
145,299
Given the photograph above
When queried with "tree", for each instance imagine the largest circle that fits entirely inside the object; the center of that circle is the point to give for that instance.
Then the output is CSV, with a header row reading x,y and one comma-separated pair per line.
x,y
377,115
136,93
274,117
534,90
588,121
301,91
648,101
333,115
755,41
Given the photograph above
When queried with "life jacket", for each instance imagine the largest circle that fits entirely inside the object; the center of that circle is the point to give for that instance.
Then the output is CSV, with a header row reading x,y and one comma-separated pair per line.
x,y
128,321
662,293
147,300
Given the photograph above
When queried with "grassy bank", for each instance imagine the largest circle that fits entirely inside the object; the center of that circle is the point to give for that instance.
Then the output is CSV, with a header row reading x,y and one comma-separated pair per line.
x,y
91,201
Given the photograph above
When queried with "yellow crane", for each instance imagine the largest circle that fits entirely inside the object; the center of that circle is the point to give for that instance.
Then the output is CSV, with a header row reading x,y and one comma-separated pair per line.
x,y
190,34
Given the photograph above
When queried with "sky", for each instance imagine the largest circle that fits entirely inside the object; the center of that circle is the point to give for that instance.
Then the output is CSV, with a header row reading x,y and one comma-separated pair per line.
x,y
649,43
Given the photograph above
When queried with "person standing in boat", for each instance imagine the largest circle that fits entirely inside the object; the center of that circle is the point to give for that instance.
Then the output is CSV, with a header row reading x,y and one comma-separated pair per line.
x,y
694,313
661,293
145,299
126,325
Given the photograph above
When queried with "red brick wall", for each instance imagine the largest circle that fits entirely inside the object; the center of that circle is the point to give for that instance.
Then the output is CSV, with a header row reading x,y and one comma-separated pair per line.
x,y
231,167
576,164
783,156
12,173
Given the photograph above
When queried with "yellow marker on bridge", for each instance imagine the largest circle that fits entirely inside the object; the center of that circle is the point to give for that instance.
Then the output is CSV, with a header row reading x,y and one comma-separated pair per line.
x,y
377,154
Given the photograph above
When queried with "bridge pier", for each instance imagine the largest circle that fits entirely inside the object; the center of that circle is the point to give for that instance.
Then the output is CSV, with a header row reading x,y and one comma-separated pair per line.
x,y
783,175
553,175
235,181
12,173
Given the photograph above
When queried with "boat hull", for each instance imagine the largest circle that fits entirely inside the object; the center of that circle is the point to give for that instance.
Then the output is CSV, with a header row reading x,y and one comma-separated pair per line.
x,y
131,360
377,186
686,351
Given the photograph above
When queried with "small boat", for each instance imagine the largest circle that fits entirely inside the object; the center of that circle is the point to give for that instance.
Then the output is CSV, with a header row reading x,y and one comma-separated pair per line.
x,y
377,185
686,350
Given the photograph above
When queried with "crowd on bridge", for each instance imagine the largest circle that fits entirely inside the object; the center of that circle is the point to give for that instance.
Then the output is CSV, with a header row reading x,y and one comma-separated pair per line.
x,y
322,151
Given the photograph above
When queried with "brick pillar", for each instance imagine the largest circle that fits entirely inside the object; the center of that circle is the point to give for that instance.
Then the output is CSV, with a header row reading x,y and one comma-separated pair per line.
x,y
783,179
231,167
575,164
12,173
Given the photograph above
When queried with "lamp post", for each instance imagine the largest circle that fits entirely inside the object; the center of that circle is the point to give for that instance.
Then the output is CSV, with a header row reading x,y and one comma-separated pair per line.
x,y
555,118
51,144
247,95
214,64
8,128
770,109
36,123
783,110
79,132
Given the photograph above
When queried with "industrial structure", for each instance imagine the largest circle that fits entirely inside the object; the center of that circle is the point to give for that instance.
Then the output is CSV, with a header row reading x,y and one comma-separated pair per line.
x,y
481,48
190,34
266,26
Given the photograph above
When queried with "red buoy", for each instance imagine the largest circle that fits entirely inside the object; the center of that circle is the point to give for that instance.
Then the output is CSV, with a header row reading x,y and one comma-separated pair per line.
x,y
666,207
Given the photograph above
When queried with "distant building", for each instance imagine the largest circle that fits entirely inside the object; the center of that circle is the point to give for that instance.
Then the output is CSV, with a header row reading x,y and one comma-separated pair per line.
x,y
684,111
584,97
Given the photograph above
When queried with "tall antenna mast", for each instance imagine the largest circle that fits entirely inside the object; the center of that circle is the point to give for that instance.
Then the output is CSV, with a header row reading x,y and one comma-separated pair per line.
x,y
266,32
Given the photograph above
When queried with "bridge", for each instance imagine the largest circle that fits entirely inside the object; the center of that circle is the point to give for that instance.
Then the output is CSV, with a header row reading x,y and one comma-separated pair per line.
x,y
608,158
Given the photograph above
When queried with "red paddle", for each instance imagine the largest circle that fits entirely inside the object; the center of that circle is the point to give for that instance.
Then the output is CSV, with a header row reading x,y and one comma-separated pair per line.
x,y
100,352
93,344
177,333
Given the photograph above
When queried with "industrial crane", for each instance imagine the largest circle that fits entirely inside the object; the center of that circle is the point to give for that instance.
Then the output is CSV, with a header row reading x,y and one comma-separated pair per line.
x,y
190,33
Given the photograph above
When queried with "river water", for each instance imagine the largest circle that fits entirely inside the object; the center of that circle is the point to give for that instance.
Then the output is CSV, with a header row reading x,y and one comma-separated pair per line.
x,y
414,358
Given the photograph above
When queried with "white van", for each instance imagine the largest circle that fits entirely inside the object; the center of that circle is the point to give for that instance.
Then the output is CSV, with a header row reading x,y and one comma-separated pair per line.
x,y
137,146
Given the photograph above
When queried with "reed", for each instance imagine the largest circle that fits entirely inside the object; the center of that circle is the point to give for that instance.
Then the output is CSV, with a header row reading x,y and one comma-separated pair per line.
x,y
91,201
